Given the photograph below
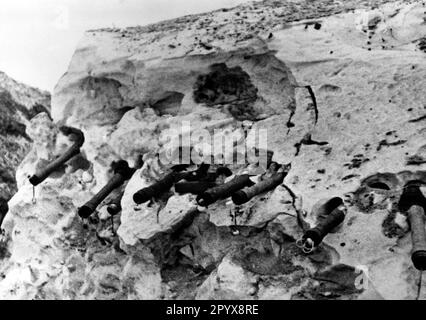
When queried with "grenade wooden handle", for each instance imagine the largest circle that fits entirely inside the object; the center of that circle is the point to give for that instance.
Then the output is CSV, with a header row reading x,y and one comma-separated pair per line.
x,y
42,174
90,206
244,195
416,219
122,173
158,188
318,233
224,190
163,185
72,151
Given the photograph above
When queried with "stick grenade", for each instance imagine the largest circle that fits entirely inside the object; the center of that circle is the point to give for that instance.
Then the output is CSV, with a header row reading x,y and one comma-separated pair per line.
x,y
122,172
418,236
164,185
244,195
208,180
78,138
314,236
413,202
159,187
224,191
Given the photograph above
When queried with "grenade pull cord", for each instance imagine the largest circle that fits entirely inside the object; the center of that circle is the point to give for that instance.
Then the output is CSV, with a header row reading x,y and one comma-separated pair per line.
x,y
307,245
34,200
112,225
85,223
158,214
234,228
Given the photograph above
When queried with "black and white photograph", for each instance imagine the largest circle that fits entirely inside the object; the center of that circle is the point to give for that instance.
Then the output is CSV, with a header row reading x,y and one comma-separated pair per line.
x,y
230,152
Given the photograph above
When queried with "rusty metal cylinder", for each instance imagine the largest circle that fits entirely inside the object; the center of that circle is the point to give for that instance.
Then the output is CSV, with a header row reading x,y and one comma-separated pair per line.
x,y
121,174
194,187
244,195
72,151
416,218
224,190
413,202
326,225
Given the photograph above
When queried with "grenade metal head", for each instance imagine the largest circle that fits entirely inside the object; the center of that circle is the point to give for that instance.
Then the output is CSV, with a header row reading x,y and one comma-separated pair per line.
x,y
419,260
122,167
114,208
142,195
74,134
412,195
35,180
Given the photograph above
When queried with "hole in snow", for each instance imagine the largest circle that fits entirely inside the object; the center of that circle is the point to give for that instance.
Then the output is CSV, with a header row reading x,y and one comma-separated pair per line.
x,y
227,86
